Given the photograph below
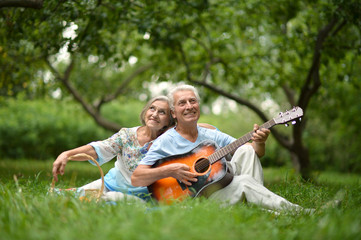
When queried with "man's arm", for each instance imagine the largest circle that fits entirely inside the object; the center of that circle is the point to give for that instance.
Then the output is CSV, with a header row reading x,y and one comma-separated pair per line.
x,y
145,175
258,140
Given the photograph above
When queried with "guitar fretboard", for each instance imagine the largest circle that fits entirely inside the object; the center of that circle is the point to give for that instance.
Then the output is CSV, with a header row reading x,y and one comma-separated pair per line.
x,y
219,154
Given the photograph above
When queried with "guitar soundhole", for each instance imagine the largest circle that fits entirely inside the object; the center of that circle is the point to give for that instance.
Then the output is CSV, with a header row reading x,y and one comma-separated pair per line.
x,y
202,165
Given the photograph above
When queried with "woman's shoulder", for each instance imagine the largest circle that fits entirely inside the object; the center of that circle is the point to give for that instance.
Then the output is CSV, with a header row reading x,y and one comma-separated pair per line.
x,y
208,126
126,134
129,130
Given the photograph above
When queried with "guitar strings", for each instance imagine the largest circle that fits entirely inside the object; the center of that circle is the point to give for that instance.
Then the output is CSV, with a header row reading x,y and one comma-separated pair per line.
x,y
234,145
203,164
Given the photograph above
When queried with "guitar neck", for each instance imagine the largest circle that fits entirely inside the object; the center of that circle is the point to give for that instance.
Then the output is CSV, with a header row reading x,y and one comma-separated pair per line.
x,y
219,154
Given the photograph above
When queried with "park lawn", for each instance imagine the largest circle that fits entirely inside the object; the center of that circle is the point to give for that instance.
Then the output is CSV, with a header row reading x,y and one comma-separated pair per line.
x,y
27,211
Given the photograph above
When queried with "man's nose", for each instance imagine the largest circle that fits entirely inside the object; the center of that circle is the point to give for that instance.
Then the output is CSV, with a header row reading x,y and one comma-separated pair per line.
x,y
188,104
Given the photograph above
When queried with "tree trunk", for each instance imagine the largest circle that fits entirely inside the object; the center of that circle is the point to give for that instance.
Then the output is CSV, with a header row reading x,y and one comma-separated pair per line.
x,y
301,162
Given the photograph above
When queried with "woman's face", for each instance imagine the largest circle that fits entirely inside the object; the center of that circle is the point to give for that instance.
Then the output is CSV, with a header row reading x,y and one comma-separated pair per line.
x,y
157,115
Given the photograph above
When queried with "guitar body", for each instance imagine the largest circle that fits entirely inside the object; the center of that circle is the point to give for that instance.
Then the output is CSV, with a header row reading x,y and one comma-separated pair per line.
x,y
211,177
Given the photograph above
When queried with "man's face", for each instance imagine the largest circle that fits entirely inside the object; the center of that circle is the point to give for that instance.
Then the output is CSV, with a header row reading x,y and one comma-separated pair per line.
x,y
186,107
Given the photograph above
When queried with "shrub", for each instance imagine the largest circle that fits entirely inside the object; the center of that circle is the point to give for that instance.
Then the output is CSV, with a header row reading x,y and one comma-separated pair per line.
x,y
42,129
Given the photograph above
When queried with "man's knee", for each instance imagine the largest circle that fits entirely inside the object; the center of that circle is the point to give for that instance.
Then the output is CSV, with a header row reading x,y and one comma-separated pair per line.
x,y
245,149
244,180
244,155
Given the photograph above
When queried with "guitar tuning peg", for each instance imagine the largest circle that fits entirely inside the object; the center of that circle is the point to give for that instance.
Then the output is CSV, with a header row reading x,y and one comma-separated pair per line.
x,y
293,122
286,125
300,119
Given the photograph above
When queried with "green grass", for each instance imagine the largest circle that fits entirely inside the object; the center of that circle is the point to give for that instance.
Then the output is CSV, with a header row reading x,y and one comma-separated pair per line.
x,y
27,211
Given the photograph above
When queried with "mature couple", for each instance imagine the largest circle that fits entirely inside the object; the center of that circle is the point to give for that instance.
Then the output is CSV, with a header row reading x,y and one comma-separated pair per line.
x,y
170,127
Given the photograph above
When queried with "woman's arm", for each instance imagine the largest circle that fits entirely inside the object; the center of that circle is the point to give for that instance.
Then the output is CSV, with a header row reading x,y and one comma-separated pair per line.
x,y
61,161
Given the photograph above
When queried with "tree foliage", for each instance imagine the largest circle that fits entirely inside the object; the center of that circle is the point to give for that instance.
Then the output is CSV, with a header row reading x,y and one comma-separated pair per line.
x,y
287,52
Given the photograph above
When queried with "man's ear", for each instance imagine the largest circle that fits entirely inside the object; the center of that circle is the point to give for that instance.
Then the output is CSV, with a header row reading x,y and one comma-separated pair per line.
x,y
173,114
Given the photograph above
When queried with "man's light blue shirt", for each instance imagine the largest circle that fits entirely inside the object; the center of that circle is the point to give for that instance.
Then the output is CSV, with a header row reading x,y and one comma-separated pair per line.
x,y
172,143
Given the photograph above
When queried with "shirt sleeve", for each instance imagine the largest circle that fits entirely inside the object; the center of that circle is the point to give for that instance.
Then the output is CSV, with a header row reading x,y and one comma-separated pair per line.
x,y
222,139
155,153
108,148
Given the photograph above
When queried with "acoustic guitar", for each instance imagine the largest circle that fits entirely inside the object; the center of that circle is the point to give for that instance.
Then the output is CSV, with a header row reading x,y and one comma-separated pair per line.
x,y
209,163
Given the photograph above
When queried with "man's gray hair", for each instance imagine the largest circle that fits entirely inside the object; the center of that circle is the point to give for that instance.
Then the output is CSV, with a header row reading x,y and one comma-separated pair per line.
x,y
184,87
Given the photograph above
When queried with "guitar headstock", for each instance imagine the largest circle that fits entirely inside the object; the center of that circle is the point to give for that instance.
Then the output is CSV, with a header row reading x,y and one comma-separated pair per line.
x,y
288,116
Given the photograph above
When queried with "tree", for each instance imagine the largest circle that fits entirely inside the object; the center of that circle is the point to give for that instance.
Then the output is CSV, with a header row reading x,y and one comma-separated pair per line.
x,y
228,46
102,31
246,51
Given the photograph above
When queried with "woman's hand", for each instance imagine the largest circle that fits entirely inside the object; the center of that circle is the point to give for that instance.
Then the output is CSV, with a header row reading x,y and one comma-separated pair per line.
x,y
61,161
59,165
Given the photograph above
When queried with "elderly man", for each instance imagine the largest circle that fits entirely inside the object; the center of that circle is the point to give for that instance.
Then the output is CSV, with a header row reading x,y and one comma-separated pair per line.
x,y
245,166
